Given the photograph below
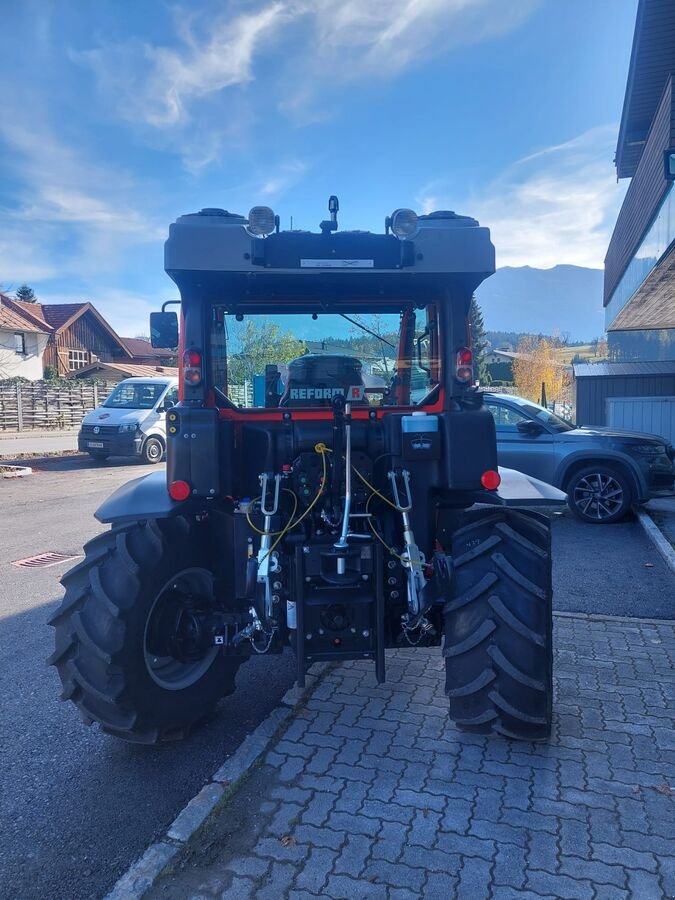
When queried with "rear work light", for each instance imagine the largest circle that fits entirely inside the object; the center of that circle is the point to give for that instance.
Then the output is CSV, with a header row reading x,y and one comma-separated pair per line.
x,y
179,490
192,367
464,365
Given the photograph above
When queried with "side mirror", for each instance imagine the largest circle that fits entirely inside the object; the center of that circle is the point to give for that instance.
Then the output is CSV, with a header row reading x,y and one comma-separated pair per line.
x,y
164,330
166,405
529,427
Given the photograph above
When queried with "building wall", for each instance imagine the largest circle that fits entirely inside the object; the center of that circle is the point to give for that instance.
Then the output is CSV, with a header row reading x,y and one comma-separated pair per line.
x,y
644,194
84,334
592,393
13,364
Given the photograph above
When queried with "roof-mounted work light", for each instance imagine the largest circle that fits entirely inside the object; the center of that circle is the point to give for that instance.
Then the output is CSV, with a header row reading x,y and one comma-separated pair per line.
x,y
261,221
403,223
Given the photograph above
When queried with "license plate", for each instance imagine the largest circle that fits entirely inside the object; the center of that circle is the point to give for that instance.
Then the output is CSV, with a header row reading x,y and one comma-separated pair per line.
x,y
97,444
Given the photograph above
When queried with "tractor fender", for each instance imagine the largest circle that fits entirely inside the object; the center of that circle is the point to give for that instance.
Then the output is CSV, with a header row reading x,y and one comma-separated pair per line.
x,y
142,498
518,489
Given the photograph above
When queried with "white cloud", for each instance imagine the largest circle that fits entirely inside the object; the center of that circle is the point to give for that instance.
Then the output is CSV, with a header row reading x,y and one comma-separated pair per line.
x,y
557,205
182,89
68,216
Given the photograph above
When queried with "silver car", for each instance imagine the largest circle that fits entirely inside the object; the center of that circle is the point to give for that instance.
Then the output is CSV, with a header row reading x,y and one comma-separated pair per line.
x,y
605,471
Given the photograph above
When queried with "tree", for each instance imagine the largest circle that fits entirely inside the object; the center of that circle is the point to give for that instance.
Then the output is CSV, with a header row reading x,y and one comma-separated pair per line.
x,y
536,365
479,343
26,293
256,345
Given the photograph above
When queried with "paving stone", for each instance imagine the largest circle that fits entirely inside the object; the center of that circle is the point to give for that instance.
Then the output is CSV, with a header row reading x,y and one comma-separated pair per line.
x,y
248,866
318,837
623,856
474,878
424,828
594,870
509,868
277,882
441,886
316,869
352,858
561,886
381,871
389,841
340,887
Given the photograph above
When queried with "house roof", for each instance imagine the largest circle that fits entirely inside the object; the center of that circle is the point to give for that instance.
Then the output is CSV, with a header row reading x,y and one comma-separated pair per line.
x,y
59,316
652,61
141,347
128,370
586,370
13,319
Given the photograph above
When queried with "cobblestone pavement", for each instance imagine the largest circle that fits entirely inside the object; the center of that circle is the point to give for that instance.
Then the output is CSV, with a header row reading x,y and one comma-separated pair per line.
x,y
372,791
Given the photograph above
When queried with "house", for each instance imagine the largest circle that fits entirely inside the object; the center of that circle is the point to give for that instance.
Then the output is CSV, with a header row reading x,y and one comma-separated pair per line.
x,y
639,293
117,371
23,339
78,336
144,354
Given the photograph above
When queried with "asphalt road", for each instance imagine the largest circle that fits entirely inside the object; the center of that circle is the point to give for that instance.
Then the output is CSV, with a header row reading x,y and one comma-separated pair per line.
x,y
78,807
36,442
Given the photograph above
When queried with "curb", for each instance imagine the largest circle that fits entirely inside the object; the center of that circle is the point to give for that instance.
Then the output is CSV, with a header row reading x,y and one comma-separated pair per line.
x,y
655,534
14,471
142,874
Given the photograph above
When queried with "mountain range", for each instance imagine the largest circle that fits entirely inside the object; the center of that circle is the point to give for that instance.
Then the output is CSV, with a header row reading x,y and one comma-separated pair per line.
x,y
564,299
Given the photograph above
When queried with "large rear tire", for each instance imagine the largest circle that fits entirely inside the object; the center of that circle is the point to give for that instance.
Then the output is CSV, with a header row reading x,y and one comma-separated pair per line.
x,y
108,621
498,626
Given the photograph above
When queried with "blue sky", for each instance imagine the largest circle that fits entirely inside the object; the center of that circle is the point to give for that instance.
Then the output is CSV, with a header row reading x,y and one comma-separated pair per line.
x,y
118,117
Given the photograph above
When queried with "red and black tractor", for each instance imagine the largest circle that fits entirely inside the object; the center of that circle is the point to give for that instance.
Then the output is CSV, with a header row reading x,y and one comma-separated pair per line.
x,y
331,486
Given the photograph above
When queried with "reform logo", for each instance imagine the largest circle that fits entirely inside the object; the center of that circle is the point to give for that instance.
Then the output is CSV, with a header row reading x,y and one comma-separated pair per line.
x,y
355,392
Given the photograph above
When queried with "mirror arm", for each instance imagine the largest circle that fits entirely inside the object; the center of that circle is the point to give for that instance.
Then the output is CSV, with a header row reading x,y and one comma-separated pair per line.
x,y
170,303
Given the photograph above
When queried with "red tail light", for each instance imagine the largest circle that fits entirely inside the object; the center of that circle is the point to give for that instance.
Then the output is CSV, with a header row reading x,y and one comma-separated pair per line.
x,y
464,365
179,490
490,480
192,367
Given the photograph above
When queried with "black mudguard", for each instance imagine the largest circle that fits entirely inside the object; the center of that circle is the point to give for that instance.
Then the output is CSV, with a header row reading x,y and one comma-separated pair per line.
x,y
142,498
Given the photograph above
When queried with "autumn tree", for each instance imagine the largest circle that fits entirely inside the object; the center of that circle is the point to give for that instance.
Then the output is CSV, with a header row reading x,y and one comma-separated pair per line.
x,y
536,365
26,293
257,344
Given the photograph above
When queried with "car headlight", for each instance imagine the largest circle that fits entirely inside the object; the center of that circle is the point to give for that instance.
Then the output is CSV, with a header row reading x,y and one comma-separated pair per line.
x,y
649,449
126,428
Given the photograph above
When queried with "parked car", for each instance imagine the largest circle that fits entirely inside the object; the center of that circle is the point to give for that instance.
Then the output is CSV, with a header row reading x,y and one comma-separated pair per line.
x,y
132,421
604,471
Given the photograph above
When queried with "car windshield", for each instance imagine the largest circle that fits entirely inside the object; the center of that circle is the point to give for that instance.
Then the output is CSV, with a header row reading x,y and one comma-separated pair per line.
x,y
305,359
135,395
541,414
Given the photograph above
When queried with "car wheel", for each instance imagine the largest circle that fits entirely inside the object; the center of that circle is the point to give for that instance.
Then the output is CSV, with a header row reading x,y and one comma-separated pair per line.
x,y
153,451
599,494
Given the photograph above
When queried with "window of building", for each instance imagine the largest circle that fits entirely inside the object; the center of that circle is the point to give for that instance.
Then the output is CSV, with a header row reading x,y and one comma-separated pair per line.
x,y
77,359
20,342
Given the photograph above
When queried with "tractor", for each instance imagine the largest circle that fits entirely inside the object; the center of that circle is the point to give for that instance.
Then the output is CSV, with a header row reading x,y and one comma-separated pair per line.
x,y
331,486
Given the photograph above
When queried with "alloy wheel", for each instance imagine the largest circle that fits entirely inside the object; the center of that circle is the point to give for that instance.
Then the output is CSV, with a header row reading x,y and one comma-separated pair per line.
x,y
598,496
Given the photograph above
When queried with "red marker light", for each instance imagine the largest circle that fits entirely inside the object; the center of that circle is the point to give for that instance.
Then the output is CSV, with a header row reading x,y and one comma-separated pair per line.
x,y
490,480
192,357
179,490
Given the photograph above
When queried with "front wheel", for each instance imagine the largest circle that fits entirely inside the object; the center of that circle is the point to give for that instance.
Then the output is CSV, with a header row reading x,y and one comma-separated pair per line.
x,y
498,626
152,451
130,650
599,494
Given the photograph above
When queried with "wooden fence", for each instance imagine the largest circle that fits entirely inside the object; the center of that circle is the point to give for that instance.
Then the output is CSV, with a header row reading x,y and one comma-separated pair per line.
x,y
42,404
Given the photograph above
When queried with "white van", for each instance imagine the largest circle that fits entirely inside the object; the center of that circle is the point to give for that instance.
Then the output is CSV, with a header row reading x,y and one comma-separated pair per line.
x,y
131,422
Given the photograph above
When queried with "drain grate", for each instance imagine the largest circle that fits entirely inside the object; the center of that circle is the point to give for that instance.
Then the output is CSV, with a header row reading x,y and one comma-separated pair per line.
x,y
44,560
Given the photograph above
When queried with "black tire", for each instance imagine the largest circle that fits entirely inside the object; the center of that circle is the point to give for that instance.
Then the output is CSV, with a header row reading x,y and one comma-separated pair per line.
x,y
599,494
98,455
498,626
101,641
152,451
